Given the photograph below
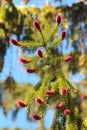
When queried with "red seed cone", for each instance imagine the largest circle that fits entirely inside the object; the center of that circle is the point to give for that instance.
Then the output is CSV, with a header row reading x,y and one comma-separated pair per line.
x,y
21,103
67,111
63,34
58,19
30,70
39,100
60,105
67,59
36,117
63,91
14,42
37,25
49,92
24,61
40,54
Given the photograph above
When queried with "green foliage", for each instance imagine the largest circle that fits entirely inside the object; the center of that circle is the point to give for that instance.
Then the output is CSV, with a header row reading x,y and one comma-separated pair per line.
x,y
50,35
52,77
55,42
30,44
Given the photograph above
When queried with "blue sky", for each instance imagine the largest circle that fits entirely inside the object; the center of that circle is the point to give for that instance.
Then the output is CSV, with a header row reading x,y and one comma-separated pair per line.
x,y
42,2
21,121
12,57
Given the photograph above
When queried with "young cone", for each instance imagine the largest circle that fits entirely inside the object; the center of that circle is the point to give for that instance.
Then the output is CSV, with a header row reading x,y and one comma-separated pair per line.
x,y
14,42
60,105
36,117
63,34
24,61
39,100
49,92
37,25
21,103
63,91
30,70
40,54
58,19
67,59
67,111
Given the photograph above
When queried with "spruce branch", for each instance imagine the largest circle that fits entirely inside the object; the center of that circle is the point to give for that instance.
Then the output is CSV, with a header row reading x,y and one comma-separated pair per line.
x,y
44,44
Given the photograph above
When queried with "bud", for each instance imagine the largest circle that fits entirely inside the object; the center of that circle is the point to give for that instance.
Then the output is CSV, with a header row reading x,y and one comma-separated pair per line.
x,y
60,105
39,100
40,54
67,111
63,34
37,25
36,117
29,70
58,19
49,92
21,103
14,41
24,61
63,91
67,59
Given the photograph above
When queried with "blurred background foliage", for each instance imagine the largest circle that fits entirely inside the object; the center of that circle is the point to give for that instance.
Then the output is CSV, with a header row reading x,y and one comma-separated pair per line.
x,y
18,21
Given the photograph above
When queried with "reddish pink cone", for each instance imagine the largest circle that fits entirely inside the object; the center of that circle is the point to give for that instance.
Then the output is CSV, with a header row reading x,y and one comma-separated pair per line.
x,y
58,19
14,41
29,70
49,92
40,54
21,103
39,100
37,25
60,105
63,34
24,61
67,59
67,111
63,91
36,117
